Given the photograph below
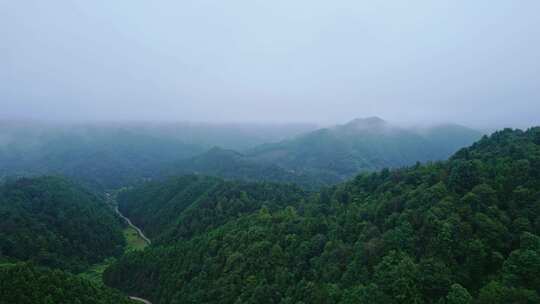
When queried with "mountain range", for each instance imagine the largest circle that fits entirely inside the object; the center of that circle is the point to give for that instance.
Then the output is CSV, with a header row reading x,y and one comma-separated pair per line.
x,y
461,230
110,156
330,155
464,230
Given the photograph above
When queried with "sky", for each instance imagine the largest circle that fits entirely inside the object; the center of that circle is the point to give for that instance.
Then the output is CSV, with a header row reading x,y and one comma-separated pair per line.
x,y
475,63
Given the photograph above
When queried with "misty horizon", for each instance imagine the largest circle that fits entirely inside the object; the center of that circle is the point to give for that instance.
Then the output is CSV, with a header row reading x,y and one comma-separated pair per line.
x,y
473,64
255,151
304,126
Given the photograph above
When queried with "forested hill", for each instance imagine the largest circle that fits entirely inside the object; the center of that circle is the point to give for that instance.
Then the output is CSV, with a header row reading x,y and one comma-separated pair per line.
x,y
234,165
182,207
329,156
464,230
26,284
51,221
100,157
105,156
362,145
109,156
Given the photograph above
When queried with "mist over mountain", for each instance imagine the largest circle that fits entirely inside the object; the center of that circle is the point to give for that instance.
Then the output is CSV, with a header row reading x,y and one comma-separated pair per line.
x,y
111,155
328,156
270,152
364,145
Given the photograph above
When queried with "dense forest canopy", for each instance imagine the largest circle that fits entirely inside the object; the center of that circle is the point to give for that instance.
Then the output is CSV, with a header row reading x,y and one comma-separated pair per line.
x,y
184,206
27,284
460,231
54,222
51,228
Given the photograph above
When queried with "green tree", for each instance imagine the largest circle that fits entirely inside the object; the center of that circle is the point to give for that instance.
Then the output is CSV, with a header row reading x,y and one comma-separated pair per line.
x,y
458,295
397,274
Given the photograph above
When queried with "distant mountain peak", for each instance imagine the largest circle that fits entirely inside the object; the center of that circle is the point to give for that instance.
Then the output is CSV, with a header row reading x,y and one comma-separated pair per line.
x,y
218,151
366,123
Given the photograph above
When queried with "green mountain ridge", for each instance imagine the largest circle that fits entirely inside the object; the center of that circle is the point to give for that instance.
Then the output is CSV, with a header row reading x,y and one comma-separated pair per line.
x,y
364,145
464,230
234,165
104,157
328,156
50,230
53,222
181,206
100,158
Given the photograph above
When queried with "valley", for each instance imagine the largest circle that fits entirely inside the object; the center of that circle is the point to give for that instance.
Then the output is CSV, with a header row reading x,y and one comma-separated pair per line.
x,y
379,228
137,240
207,239
269,152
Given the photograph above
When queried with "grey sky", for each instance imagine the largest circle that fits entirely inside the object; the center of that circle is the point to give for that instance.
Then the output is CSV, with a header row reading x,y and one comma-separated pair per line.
x,y
470,62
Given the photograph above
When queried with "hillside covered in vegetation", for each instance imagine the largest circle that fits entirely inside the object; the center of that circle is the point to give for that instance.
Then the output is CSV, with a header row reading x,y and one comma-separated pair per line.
x,y
464,230
26,284
100,157
331,155
361,145
184,206
53,222
233,165
104,157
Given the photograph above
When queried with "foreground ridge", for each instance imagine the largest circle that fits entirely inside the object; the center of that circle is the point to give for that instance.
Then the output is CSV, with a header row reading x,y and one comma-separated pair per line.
x,y
467,228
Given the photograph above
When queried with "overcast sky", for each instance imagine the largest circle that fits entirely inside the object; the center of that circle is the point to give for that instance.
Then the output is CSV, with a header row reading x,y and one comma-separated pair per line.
x,y
470,62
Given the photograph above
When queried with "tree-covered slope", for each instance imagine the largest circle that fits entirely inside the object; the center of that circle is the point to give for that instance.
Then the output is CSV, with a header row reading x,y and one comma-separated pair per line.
x,y
328,156
107,156
53,222
363,145
110,156
234,165
100,157
27,284
460,231
183,206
